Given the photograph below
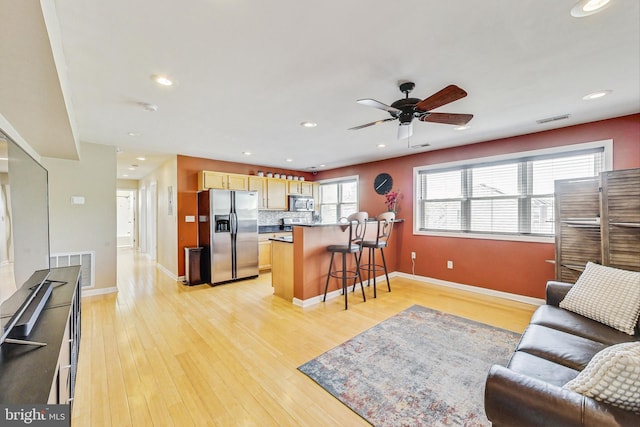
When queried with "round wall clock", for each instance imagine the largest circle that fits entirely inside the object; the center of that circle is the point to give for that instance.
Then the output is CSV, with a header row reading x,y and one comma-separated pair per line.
x,y
383,183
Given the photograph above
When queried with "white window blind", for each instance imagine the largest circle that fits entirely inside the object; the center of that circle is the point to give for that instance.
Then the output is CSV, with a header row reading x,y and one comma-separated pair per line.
x,y
513,197
338,199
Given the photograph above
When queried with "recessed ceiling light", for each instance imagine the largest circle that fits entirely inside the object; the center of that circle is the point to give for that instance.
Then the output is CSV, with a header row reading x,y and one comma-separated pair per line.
x,y
161,80
142,159
289,160
307,124
596,95
465,127
322,166
381,145
588,7
246,153
149,107
133,134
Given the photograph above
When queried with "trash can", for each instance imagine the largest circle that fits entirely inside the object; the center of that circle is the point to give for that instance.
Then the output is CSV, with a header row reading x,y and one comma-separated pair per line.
x,y
193,266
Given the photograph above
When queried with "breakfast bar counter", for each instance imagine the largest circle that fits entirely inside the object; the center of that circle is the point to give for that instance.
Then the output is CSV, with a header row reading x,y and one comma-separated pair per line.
x,y
299,268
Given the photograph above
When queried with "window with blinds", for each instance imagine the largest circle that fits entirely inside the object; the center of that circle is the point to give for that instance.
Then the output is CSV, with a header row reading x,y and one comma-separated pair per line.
x,y
509,197
338,199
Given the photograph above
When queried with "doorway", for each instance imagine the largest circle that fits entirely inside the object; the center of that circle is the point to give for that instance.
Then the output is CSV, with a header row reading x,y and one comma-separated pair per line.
x,y
126,218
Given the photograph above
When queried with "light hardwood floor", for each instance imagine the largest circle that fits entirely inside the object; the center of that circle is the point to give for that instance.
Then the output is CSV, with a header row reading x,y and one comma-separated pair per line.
x,y
160,353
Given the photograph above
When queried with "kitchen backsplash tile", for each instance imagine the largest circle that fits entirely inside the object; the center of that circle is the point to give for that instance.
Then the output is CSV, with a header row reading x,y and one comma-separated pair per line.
x,y
273,217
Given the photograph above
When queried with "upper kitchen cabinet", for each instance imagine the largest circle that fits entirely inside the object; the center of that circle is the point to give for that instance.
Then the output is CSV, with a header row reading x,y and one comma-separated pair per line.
x,y
259,184
237,182
301,188
222,181
276,194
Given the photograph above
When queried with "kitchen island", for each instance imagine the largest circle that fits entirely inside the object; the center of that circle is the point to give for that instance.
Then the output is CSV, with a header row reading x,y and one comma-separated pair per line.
x,y
300,267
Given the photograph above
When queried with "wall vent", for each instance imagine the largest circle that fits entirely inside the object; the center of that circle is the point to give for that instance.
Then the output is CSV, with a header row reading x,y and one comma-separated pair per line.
x,y
553,119
420,145
86,261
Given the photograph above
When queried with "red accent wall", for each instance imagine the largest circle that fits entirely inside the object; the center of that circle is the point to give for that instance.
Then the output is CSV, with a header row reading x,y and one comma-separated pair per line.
x,y
188,168
515,267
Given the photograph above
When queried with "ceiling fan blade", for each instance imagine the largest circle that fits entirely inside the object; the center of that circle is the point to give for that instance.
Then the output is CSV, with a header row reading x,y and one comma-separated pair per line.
x,y
405,130
377,104
448,94
377,122
447,118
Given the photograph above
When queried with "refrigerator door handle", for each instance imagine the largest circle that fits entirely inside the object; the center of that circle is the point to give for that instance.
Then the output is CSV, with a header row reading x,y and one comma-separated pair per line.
x,y
234,223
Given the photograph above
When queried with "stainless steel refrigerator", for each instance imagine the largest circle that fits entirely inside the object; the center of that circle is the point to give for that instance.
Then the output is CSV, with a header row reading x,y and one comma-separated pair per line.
x,y
228,234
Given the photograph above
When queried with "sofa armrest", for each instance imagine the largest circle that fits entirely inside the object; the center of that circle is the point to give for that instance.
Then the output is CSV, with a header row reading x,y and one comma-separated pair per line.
x,y
514,399
556,291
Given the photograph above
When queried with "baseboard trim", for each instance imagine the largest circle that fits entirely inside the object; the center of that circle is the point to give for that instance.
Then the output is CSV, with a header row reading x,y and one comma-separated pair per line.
x,y
167,272
475,289
469,288
336,293
99,291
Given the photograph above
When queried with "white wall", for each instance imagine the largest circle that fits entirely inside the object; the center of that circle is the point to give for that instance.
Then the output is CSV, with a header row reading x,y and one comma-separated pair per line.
x,y
165,178
92,225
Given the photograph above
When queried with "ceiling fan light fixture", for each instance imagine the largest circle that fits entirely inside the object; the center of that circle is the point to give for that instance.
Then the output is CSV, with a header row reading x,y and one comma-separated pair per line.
x,y
588,7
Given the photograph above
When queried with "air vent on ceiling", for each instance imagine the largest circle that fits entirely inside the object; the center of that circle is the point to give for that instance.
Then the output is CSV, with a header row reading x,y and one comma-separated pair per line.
x,y
553,119
420,145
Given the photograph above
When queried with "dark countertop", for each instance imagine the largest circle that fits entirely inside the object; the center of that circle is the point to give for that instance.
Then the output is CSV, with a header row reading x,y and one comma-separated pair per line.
x,y
284,239
262,229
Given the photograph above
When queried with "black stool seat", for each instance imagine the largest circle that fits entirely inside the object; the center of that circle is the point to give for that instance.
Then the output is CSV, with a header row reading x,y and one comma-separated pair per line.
x,y
344,248
355,228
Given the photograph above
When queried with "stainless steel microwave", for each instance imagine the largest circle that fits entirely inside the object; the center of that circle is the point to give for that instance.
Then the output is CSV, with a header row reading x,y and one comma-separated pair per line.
x,y
301,204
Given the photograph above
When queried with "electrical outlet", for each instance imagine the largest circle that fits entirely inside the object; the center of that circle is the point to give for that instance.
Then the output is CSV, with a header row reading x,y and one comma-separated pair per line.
x,y
450,265
413,255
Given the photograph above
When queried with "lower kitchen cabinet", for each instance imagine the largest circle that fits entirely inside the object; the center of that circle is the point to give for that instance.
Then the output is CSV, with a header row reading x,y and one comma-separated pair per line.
x,y
264,255
265,249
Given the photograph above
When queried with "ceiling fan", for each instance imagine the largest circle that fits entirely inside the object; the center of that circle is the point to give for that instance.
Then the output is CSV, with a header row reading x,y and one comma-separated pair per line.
x,y
405,110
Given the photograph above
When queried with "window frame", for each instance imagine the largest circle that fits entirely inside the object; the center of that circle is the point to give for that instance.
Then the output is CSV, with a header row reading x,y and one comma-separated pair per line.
x,y
350,178
606,145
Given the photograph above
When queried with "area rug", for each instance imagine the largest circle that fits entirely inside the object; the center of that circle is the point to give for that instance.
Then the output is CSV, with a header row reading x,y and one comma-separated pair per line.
x,y
420,367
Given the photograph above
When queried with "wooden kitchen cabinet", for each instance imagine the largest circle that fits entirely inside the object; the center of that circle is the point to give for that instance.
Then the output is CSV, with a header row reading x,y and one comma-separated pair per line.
x,y
237,182
265,249
264,255
276,194
208,179
301,188
222,181
259,184
294,188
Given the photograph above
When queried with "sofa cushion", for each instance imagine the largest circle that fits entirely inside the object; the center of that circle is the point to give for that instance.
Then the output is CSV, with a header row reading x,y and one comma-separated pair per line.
x,y
607,295
575,324
613,376
559,347
542,369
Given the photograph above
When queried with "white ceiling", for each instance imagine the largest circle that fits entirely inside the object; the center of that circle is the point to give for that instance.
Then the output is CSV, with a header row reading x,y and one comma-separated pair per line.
x,y
248,73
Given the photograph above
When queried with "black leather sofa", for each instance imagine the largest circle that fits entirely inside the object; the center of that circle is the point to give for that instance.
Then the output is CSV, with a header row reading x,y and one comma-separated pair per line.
x,y
555,347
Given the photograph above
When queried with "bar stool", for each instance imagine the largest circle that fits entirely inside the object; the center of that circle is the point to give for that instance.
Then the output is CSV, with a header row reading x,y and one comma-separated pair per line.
x,y
385,225
355,228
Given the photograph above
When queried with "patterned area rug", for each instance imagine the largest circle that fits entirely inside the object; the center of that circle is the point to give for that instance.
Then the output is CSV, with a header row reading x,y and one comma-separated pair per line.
x,y
420,367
